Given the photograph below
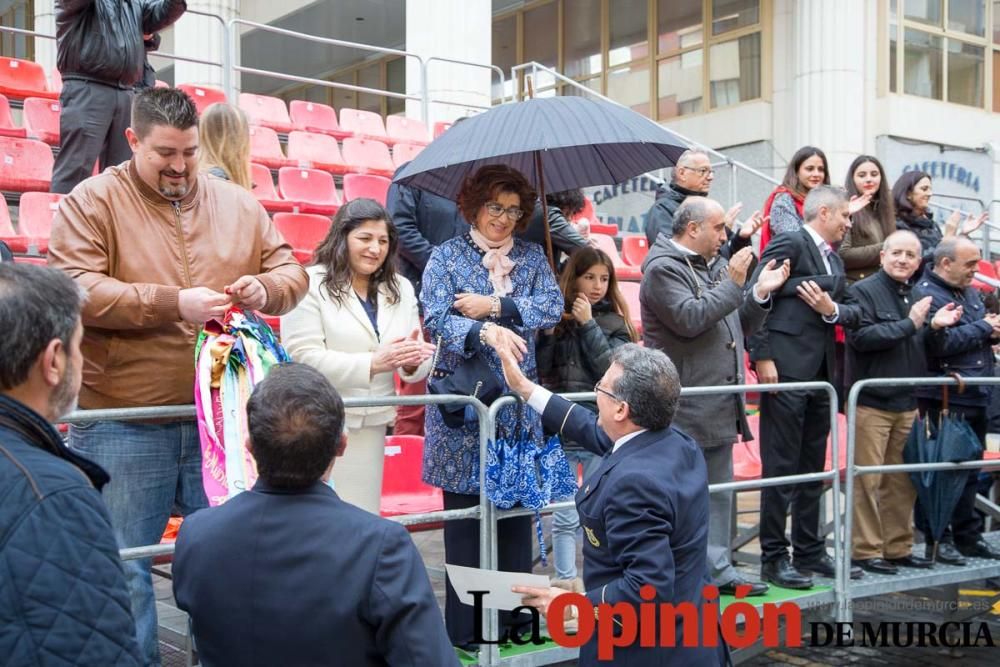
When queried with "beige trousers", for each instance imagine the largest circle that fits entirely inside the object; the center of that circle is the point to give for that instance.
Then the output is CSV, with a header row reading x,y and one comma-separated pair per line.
x,y
883,504
357,475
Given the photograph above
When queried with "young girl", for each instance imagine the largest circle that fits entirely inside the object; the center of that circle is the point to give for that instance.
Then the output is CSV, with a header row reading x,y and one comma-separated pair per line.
x,y
573,357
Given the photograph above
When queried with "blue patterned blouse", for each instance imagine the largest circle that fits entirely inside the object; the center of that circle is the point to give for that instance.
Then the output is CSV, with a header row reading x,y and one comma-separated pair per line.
x,y
451,456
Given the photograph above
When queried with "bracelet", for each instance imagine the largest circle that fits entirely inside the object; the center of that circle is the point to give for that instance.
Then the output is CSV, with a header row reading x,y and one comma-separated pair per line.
x,y
495,307
482,334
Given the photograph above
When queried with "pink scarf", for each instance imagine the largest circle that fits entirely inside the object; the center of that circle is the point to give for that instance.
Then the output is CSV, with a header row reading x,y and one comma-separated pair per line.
x,y
496,262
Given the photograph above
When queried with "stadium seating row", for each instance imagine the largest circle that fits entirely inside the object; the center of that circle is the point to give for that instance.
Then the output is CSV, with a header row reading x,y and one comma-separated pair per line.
x,y
321,151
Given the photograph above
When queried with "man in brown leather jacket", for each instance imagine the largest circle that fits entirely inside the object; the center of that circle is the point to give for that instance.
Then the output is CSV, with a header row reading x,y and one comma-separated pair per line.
x,y
160,250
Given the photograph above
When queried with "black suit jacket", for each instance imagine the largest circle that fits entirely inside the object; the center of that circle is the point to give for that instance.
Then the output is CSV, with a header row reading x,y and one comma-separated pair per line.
x,y
795,336
302,578
644,513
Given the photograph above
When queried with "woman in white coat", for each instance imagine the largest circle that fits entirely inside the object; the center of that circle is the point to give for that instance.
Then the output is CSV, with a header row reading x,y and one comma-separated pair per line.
x,y
359,325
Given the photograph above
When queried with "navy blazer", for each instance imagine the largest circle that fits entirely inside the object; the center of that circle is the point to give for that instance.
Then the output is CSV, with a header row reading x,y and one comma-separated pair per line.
x,y
644,514
276,577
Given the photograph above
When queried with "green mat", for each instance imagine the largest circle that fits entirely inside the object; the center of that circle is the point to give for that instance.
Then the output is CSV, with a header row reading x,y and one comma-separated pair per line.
x,y
508,650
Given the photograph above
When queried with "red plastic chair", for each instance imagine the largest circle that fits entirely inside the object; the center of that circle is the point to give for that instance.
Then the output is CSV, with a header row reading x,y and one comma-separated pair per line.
x,y
312,190
34,217
16,242
7,126
607,230
746,454
55,82
41,119
203,96
317,151
25,165
634,249
622,270
366,185
266,111
403,153
23,78
263,190
841,443
441,127
39,261
987,269
316,117
265,148
302,231
409,130
403,490
364,124
631,293
368,156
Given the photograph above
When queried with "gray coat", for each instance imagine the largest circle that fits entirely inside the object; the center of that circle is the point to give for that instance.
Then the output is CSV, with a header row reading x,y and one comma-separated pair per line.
x,y
698,316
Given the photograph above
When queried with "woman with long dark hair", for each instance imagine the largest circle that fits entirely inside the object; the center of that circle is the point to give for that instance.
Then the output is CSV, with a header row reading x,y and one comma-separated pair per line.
x,y
783,208
873,217
359,326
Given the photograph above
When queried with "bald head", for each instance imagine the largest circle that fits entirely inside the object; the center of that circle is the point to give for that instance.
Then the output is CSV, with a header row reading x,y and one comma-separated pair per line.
x,y
956,259
700,226
901,255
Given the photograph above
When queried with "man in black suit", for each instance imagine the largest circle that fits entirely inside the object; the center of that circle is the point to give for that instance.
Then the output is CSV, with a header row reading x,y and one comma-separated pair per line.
x,y
796,344
289,574
645,510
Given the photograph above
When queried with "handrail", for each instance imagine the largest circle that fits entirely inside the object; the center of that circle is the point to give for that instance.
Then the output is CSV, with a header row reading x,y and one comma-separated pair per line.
x,y
426,78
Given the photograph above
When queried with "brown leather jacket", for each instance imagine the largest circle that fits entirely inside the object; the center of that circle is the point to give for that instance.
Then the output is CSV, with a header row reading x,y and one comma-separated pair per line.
x,y
134,251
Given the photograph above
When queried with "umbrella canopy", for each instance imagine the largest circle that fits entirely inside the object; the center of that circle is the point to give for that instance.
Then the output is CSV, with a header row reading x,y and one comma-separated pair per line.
x,y
577,142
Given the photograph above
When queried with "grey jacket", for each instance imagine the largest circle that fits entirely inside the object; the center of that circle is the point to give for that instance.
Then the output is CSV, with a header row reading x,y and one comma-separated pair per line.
x,y
698,316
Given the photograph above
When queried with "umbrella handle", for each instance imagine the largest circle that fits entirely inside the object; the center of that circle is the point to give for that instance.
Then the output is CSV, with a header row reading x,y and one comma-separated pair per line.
x,y
944,392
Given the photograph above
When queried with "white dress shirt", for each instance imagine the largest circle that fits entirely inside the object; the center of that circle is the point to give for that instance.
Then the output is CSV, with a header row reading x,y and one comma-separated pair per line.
x,y
824,252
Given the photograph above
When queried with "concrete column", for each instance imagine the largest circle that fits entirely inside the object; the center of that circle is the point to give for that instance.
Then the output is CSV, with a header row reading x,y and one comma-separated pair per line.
x,y
45,23
455,29
201,37
829,79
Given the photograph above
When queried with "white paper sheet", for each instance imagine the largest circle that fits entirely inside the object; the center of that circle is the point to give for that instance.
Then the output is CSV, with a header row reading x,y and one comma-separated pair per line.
x,y
465,579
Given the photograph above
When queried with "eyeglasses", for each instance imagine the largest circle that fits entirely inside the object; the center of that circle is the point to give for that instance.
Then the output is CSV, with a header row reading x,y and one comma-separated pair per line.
x,y
496,210
599,390
701,171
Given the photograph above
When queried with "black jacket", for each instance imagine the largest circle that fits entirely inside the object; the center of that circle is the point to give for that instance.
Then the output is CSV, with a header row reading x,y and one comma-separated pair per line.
x,y
661,218
927,231
965,348
886,343
101,40
565,238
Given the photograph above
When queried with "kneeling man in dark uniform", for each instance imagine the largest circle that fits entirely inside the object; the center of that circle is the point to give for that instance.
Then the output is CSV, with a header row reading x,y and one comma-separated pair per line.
x,y
645,511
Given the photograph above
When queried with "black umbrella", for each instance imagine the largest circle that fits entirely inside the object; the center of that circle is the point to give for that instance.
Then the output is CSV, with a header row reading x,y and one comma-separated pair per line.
x,y
558,143
949,439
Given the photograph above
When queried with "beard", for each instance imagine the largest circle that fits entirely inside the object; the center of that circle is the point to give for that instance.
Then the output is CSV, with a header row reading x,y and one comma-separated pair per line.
x,y
174,191
65,396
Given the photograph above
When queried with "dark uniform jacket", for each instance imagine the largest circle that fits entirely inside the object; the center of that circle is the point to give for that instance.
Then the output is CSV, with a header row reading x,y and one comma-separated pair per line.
x,y
644,514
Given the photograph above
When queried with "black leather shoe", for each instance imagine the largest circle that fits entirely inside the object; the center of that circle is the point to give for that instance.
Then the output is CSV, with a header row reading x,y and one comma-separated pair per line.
x,y
911,561
978,549
824,567
756,587
946,553
781,573
875,565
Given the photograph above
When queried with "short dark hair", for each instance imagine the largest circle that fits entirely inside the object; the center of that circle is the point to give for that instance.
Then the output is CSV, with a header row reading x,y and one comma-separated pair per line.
x,y
570,202
490,181
162,106
901,190
296,418
37,306
649,383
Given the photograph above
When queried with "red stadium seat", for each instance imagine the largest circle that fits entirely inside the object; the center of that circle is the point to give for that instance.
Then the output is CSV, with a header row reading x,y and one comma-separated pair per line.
x,y
363,124
634,249
263,190
203,96
440,128
607,230
410,130
316,117
366,185
267,111
55,81
987,269
746,454
303,232
7,127
41,119
312,190
403,490
631,293
368,156
265,148
622,270
40,261
34,217
25,165
403,153
16,242
317,151
841,443
23,78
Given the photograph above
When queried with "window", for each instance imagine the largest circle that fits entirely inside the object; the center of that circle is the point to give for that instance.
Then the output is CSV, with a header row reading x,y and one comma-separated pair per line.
x,y
582,56
541,40
18,14
504,53
940,49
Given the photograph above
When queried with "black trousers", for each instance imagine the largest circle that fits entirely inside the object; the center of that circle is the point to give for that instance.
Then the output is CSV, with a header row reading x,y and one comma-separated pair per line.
x,y
461,547
91,129
966,525
794,426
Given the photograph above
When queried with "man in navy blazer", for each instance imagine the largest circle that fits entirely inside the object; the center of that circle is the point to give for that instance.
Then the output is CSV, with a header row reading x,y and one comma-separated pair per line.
x,y
644,512
289,574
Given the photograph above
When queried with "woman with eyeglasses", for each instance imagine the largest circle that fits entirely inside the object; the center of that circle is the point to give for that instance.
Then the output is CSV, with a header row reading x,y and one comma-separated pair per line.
x,y
783,209
482,292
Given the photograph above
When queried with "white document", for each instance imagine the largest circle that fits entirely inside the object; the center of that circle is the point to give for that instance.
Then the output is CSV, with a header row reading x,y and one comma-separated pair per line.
x,y
465,579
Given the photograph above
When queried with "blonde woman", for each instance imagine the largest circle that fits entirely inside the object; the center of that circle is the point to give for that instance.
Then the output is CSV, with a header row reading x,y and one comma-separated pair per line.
x,y
224,135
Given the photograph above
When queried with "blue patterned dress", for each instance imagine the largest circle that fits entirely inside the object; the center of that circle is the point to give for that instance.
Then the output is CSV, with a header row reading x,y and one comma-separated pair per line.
x,y
451,456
